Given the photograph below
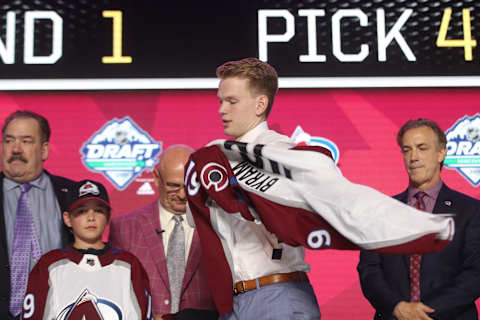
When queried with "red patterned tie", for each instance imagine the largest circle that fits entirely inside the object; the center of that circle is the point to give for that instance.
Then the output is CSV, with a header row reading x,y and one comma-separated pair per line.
x,y
415,259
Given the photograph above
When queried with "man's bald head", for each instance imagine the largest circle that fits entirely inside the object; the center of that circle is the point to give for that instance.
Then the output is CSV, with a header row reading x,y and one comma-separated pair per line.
x,y
169,178
173,157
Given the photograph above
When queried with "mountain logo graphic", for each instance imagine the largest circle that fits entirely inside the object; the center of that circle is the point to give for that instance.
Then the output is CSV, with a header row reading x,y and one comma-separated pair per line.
x,y
463,148
301,137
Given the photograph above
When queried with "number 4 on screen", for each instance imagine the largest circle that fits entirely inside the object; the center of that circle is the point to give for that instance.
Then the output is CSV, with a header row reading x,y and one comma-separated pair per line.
x,y
467,43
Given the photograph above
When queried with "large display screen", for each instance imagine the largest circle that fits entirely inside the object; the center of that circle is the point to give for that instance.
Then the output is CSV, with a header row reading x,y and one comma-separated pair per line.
x,y
115,137
174,45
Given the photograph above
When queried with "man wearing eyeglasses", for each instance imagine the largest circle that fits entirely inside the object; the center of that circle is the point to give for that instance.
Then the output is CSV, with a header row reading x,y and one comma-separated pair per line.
x,y
169,249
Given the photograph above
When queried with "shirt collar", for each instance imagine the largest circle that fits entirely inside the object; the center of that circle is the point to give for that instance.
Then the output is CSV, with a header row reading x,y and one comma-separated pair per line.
x,y
431,192
96,252
167,213
253,134
40,182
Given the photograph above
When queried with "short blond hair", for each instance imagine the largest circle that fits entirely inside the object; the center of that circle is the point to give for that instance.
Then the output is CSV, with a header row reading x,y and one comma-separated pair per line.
x,y
262,77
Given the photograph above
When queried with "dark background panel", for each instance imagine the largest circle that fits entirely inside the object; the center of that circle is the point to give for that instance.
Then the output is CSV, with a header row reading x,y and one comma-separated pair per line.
x,y
179,39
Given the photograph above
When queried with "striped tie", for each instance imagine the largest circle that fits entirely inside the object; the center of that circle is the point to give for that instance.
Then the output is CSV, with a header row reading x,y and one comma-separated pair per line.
x,y
415,259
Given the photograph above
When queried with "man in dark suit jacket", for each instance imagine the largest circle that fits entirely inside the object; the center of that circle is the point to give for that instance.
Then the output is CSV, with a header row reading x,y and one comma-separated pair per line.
x,y
449,280
25,146
142,233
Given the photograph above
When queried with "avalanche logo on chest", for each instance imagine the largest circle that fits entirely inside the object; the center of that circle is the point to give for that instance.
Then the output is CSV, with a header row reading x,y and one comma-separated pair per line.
x,y
463,148
120,151
89,307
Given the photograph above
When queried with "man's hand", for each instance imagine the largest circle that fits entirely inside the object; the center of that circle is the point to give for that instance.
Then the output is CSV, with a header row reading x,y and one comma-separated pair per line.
x,y
412,311
157,317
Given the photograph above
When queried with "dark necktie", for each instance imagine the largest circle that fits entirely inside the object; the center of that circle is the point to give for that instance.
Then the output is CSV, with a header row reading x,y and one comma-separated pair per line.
x,y
25,245
176,262
415,259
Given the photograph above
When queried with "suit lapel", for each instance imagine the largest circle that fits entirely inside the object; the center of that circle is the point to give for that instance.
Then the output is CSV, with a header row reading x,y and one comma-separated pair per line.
x,y
3,233
4,259
193,261
403,197
445,202
150,227
61,188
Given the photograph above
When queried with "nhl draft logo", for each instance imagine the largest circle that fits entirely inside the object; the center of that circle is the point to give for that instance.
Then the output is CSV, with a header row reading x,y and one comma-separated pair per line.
x,y
88,306
300,137
463,148
120,151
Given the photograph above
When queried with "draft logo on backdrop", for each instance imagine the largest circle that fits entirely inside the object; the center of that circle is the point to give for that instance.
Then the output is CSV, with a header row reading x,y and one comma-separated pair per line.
x,y
301,137
463,148
120,151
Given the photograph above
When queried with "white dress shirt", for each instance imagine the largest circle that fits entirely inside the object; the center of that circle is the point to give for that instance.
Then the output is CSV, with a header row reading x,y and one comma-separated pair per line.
x,y
168,223
244,246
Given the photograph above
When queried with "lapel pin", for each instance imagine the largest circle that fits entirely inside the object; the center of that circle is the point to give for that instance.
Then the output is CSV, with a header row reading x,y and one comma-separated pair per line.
x,y
448,203
64,190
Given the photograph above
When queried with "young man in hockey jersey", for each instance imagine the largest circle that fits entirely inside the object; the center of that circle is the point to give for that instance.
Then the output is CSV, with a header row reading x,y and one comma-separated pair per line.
x,y
246,92
90,279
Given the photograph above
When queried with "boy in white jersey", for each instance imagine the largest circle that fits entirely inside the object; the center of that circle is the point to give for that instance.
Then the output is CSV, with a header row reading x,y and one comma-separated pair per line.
x,y
90,279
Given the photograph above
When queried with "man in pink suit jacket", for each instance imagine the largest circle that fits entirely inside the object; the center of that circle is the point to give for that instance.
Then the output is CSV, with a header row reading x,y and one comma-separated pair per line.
x,y
142,233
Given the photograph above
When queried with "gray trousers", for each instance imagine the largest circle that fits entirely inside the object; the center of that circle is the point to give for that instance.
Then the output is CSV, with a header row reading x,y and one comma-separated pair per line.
x,y
287,300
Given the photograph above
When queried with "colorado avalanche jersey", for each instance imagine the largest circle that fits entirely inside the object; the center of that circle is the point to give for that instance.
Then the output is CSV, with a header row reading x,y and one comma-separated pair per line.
x,y
67,284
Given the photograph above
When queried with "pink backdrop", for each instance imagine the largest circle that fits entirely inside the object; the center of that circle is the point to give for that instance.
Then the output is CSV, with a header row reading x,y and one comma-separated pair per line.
x,y
362,122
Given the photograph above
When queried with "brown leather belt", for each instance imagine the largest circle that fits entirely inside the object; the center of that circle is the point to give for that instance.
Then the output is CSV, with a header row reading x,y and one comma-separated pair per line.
x,y
247,285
